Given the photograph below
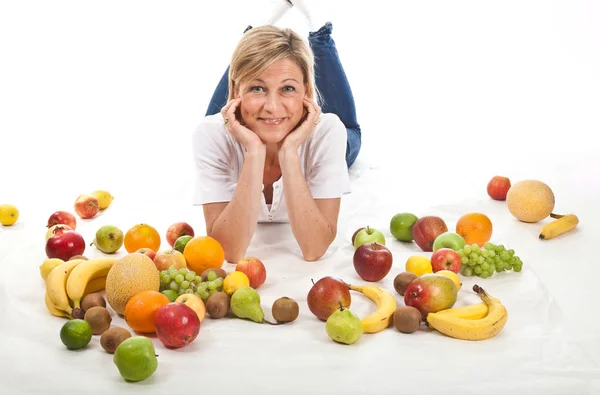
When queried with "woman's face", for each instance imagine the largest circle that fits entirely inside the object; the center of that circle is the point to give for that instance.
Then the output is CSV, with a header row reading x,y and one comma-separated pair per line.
x,y
272,105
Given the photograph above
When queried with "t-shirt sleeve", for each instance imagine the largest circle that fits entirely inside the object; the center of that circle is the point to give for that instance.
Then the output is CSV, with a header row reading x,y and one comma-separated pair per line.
x,y
213,159
327,171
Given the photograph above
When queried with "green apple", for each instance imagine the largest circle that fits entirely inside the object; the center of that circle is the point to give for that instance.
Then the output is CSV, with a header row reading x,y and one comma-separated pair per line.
x,y
401,226
368,235
449,240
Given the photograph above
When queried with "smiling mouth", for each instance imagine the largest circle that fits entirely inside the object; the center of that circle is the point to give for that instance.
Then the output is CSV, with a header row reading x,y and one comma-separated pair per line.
x,y
272,121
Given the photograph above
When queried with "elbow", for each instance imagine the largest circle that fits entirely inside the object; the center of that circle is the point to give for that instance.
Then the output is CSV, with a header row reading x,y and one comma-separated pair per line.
x,y
315,251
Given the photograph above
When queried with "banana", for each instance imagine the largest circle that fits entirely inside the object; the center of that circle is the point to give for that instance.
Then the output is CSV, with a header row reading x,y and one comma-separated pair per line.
x,y
53,310
477,329
81,276
95,285
386,306
56,285
48,265
470,312
562,224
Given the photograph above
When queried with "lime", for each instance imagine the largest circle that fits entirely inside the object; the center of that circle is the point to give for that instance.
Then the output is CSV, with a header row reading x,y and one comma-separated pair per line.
x,y
76,334
181,242
135,358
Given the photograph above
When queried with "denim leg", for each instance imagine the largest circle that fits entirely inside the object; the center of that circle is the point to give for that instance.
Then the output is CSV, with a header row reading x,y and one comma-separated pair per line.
x,y
334,87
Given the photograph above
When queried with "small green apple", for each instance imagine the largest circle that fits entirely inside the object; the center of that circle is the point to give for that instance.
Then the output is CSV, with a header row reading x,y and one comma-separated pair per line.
x,y
449,240
368,235
401,226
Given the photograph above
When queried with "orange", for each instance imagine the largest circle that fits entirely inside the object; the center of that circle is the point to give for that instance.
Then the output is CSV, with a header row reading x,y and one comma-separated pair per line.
x,y
141,236
141,309
203,252
475,228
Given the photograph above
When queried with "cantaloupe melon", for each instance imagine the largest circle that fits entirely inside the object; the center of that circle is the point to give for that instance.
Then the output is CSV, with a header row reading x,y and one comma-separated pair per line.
x,y
128,276
530,200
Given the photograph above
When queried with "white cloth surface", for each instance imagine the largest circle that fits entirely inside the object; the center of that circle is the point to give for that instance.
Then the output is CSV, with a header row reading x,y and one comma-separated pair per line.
x,y
219,160
107,96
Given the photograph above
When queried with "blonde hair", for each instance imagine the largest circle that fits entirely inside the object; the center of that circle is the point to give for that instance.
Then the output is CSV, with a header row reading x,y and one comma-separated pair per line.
x,y
264,45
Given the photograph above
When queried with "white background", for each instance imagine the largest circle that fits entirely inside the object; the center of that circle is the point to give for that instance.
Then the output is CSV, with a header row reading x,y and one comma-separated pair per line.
x,y
105,95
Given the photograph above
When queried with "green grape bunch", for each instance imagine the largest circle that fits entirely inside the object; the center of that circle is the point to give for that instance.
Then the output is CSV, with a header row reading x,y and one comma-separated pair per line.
x,y
485,261
185,281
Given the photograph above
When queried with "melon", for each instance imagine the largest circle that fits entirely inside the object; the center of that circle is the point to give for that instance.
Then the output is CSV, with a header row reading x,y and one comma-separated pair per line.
x,y
530,200
129,275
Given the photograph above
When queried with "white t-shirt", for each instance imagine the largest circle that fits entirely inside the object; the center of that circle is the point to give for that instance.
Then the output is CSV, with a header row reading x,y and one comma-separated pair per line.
x,y
219,158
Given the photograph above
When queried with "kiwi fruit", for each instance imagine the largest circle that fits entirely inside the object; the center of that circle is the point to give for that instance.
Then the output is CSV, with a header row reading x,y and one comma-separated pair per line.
x,y
407,319
402,280
217,305
219,272
92,300
285,310
112,337
99,319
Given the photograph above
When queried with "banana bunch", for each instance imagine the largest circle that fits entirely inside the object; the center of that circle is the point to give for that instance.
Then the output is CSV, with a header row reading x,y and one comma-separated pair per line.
x,y
475,322
561,224
381,318
70,281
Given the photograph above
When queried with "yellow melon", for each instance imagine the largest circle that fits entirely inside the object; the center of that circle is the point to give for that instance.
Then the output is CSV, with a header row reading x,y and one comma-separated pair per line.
x,y
530,200
130,274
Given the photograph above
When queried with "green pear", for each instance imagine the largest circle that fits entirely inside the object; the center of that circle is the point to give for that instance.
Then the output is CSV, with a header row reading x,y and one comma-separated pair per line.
x,y
343,326
245,303
108,239
135,358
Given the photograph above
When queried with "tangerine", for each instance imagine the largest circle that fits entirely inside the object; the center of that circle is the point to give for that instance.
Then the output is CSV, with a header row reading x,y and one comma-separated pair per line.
x,y
141,236
475,228
203,252
141,309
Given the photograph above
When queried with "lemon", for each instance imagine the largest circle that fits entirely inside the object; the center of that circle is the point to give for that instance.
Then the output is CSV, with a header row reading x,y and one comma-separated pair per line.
x,y
452,276
105,198
234,281
9,214
76,334
418,265
48,265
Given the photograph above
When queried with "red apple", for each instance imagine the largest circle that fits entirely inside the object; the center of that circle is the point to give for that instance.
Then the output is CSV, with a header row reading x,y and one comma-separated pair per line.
x,y
325,296
65,245
431,293
177,230
147,251
426,230
86,206
56,230
372,261
177,324
498,187
254,269
165,259
355,233
445,259
62,217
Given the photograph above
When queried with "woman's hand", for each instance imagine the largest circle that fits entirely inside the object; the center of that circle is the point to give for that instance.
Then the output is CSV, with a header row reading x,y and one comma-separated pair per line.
x,y
292,141
247,137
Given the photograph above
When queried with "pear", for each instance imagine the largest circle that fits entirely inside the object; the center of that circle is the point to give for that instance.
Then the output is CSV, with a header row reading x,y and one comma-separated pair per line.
x,y
245,303
343,326
108,239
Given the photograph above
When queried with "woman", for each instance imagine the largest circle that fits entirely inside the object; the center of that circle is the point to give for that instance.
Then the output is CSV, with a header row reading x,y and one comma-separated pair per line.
x,y
267,152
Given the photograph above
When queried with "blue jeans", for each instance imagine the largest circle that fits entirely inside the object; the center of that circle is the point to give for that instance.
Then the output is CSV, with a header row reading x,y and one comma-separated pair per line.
x,y
331,82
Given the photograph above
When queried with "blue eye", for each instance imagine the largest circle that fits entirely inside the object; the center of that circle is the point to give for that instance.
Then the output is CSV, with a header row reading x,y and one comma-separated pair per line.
x,y
289,88
256,88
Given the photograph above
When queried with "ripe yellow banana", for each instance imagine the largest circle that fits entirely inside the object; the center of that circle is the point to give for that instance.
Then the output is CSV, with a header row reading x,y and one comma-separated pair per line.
x,y
56,284
469,329
470,312
562,224
95,285
53,310
386,306
81,276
